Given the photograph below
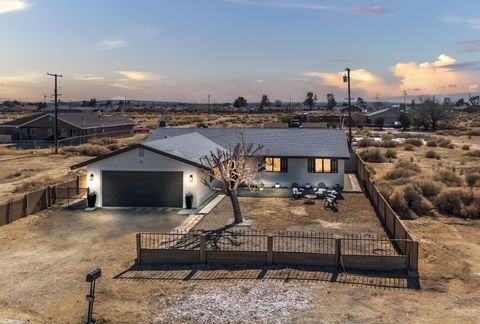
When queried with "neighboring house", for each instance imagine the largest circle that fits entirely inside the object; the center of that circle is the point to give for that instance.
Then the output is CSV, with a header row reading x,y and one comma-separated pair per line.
x,y
389,115
161,170
70,124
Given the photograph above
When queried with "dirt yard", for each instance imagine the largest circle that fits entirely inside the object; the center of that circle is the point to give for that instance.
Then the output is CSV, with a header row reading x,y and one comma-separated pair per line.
x,y
354,215
46,256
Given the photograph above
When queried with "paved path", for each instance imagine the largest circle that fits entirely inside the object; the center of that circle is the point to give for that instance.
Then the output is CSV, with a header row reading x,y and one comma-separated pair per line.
x,y
354,182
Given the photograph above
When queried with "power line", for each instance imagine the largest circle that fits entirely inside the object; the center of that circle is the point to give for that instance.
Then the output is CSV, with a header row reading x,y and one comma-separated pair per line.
x,y
55,123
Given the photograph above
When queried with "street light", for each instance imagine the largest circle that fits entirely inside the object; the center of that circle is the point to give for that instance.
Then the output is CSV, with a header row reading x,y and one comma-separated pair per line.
x,y
346,79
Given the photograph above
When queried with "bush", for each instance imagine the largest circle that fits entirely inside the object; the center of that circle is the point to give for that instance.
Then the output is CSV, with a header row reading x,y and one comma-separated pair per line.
x,y
409,166
366,142
411,194
432,143
402,170
432,155
452,201
397,201
448,177
372,155
429,188
414,141
102,140
475,153
466,147
444,142
472,179
388,143
87,149
422,206
409,147
391,154
451,146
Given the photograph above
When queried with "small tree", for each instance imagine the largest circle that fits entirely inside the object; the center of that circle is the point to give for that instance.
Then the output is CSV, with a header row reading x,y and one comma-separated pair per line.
x,y
474,100
431,110
310,100
331,102
361,103
278,103
233,167
240,102
265,102
379,122
404,120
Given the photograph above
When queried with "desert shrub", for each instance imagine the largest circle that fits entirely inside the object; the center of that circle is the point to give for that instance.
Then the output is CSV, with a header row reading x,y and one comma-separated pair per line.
x,y
397,201
391,154
113,147
409,147
432,143
473,210
451,146
402,170
388,143
444,142
449,177
411,194
422,206
102,141
366,142
472,179
414,141
429,188
474,153
432,155
452,201
372,155
87,149
466,147
384,189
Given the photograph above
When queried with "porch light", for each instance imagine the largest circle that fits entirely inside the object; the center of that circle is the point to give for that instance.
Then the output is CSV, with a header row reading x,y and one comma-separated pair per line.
x,y
190,178
277,185
91,177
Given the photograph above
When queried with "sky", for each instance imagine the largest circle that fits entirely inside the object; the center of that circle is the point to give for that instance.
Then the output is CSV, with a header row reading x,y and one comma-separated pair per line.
x,y
184,50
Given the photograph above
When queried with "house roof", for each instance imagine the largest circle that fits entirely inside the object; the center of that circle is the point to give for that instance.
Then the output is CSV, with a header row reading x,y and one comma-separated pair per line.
x,y
381,111
288,142
189,148
83,120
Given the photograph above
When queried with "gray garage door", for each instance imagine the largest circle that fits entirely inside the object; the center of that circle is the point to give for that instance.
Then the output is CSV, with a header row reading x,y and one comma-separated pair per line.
x,y
142,189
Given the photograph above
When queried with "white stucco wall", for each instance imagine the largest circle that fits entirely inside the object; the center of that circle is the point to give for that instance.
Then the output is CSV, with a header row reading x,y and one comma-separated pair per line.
x,y
298,172
131,161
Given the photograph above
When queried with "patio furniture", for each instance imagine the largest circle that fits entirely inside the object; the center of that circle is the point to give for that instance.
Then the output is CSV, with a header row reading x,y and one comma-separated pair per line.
x,y
294,185
297,193
321,192
309,199
322,185
308,185
330,201
338,188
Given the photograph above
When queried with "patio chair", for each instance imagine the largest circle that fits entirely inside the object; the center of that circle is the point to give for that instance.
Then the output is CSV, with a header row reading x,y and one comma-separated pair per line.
x,y
338,188
294,185
297,193
322,185
330,201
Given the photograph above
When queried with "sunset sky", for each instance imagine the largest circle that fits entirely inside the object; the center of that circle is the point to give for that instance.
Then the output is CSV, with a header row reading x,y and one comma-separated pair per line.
x,y
183,50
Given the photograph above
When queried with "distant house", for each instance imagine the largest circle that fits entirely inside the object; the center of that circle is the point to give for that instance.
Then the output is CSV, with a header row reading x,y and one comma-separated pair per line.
x,y
162,170
39,127
389,115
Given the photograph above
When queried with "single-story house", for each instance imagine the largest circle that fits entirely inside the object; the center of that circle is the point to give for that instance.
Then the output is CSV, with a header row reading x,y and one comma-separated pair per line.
x,y
70,124
160,171
389,115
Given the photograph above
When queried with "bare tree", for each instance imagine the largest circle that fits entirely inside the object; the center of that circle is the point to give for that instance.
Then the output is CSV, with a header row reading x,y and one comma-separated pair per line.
x,y
236,166
432,111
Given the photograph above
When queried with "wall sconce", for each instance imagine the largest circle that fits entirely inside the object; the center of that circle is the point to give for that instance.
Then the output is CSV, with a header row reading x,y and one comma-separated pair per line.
x,y
190,178
91,177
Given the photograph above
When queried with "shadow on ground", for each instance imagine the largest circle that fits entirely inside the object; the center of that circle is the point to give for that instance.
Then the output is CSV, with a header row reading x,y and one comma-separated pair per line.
x,y
145,273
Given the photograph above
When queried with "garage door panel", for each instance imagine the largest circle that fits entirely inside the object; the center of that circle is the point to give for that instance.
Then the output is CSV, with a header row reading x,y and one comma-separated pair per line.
x,y
142,189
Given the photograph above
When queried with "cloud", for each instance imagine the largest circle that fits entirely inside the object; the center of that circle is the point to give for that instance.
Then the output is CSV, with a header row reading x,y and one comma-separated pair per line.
x,y
13,5
285,4
23,78
374,10
123,85
435,77
138,76
470,46
109,44
86,77
362,80
472,22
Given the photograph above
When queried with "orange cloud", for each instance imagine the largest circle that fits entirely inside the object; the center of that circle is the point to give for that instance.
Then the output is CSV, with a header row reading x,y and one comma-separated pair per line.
x,y
433,77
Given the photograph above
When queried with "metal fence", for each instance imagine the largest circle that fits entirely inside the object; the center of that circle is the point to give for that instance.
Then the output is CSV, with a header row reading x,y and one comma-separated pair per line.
x,y
358,252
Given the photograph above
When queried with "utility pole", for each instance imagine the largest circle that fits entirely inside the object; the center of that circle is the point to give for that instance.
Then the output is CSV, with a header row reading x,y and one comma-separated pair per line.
x,y
405,100
208,104
346,78
55,123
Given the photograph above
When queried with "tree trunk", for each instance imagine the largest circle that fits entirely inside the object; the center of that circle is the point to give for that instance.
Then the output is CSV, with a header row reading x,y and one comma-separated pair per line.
x,y
237,213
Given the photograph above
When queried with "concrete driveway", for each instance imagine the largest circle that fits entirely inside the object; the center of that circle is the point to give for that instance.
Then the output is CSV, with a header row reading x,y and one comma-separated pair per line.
x,y
45,257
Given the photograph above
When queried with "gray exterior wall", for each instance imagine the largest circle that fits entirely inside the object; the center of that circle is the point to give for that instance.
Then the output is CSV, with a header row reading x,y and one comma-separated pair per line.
x,y
298,172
